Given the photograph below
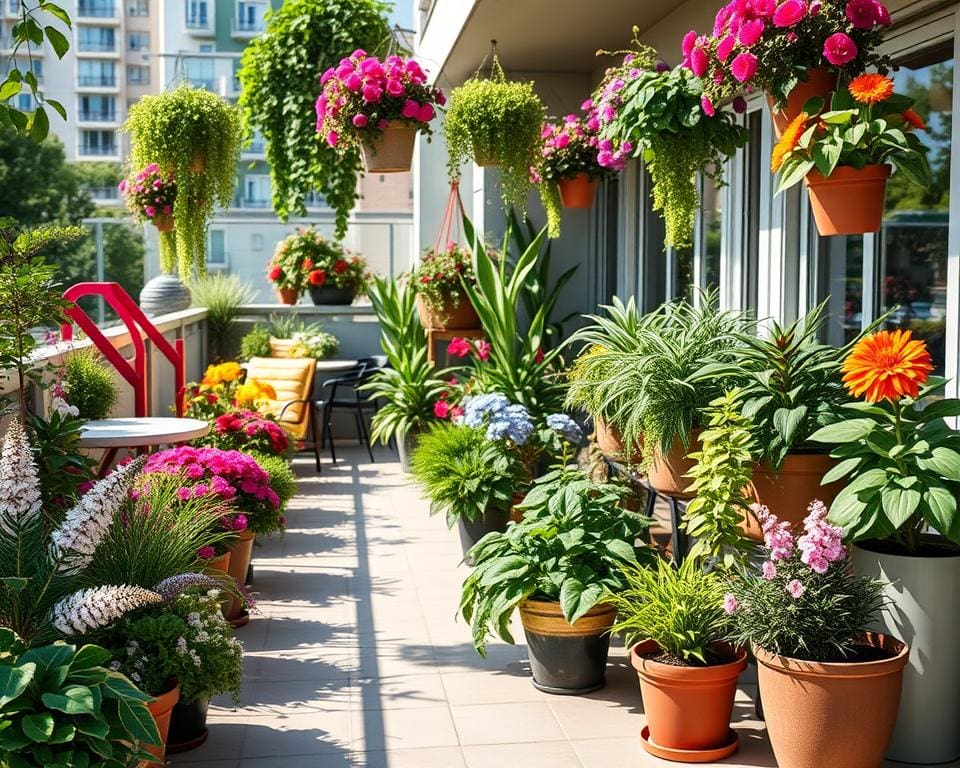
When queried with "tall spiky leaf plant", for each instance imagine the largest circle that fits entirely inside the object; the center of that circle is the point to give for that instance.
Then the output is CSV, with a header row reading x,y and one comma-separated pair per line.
x,y
196,135
224,296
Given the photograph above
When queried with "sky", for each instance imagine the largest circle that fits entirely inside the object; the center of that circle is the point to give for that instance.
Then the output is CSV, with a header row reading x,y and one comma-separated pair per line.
x,y
402,13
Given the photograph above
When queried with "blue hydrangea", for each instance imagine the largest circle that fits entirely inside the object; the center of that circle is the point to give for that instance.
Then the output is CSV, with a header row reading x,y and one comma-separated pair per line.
x,y
566,427
513,423
478,409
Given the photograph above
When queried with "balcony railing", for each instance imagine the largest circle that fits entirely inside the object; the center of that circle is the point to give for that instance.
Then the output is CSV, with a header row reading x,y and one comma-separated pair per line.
x,y
96,81
100,9
98,151
97,116
96,46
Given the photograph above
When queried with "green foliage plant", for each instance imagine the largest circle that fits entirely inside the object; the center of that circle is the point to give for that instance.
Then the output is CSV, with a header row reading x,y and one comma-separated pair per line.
x,y
90,384
438,275
255,343
280,81
464,474
496,121
680,608
224,296
721,479
570,546
196,135
63,467
314,342
282,479
62,706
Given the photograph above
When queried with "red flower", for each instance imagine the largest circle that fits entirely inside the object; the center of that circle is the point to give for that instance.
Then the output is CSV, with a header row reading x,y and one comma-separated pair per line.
x,y
318,277
426,279
483,348
307,264
275,273
340,266
456,412
538,358
211,398
458,347
441,409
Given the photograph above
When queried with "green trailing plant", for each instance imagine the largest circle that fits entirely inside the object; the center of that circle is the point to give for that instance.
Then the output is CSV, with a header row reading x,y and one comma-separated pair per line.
x,y
463,473
280,81
61,706
678,607
224,296
282,479
410,385
570,546
90,384
721,479
196,135
255,343
496,121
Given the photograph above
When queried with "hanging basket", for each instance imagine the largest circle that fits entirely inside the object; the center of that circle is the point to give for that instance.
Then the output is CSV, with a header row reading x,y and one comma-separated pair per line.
x,y
849,201
163,222
485,159
820,82
392,150
577,192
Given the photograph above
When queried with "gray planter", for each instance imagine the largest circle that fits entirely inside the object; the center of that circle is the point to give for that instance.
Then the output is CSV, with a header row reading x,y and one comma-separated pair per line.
x,y
164,294
471,531
324,295
922,611
405,446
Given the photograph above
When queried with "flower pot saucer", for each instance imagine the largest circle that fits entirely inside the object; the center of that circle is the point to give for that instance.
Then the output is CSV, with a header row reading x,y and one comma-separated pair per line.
x,y
567,691
186,746
241,621
690,755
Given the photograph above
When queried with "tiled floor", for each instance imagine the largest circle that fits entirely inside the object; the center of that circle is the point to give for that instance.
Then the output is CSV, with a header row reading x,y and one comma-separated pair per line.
x,y
356,658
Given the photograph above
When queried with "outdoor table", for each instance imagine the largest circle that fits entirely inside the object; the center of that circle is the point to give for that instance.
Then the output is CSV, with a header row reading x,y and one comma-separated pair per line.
x,y
335,366
114,434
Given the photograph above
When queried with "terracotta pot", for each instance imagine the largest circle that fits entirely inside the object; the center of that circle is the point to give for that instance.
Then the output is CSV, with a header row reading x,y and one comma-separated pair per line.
x,y
566,658
289,296
241,553
448,317
484,160
819,82
161,708
392,150
577,192
848,201
788,493
610,442
667,472
831,714
163,222
280,347
218,565
687,708
515,514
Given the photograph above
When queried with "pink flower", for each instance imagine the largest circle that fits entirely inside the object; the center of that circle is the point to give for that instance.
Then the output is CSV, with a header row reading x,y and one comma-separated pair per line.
x,y
410,109
689,41
707,106
883,15
184,493
458,347
359,120
394,87
769,569
776,535
730,604
206,552
698,62
372,93
839,49
353,82
821,543
862,13
441,409
150,210
425,114
796,589
789,13
725,47
332,138
751,32
739,104
593,124
744,67
456,412
814,8
371,67
587,105
483,348
562,141
167,209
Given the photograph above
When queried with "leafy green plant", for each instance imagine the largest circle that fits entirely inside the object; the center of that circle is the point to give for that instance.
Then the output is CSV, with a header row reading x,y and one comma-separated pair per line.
x,y
280,78
186,640
571,545
90,385
61,706
255,343
62,465
437,276
410,385
680,608
464,474
195,134
282,479
493,120
224,296
721,477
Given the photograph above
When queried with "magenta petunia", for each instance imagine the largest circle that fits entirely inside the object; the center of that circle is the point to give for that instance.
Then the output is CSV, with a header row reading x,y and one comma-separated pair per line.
x,y
359,120
883,15
725,47
425,113
410,109
751,32
789,13
861,13
686,46
744,67
707,106
699,62
839,49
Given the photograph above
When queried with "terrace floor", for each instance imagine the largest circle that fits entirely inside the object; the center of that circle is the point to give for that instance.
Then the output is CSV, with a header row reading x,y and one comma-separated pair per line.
x,y
356,657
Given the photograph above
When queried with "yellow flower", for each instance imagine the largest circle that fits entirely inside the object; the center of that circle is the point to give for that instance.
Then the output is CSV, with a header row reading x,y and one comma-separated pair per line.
x,y
222,373
252,392
788,141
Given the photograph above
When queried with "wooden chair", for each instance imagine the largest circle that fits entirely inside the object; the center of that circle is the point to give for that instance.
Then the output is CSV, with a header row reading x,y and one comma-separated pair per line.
x,y
292,379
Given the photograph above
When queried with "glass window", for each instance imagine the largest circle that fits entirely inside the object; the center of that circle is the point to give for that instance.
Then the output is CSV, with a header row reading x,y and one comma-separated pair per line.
x,y
97,107
840,281
138,75
98,143
196,13
200,72
250,16
94,73
711,232
216,252
138,7
257,191
98,8
98,39
138,41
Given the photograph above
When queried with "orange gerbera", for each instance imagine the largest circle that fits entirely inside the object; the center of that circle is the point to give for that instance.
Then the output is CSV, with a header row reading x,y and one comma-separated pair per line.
x,y
871,88
914,120
886,366
791,135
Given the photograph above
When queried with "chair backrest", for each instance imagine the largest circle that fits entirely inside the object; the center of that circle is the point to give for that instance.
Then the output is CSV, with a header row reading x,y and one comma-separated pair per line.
x,y
292,379
370,365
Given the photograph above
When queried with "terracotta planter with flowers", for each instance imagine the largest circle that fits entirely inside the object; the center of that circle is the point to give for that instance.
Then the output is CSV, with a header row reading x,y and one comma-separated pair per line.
x,y
448,317
392,150
288,296
218,565
161,708
820,82
163,222
578,192
850,200
439,278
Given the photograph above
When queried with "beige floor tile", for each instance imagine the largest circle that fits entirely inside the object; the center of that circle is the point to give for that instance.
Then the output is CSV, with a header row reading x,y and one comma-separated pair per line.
x,y
541,754
506,723
465,688
311,733
430,757
401,692
326,760
586,718
390,729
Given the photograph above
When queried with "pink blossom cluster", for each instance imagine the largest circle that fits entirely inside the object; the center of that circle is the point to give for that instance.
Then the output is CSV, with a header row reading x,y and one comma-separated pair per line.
x,y
248,430
150,192
776,535
569,148
602,111
461,347
363,92
821,543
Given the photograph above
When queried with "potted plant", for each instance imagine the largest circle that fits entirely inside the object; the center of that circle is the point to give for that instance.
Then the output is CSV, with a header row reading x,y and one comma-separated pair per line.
x,y
378,105
643,108
292,262
313,341
900,462
332,274
792,50
568,159
89,385
846,153
74,716
496,122
673,620
441,301
256,343
248,432
225,296
830,689
556,565
149,195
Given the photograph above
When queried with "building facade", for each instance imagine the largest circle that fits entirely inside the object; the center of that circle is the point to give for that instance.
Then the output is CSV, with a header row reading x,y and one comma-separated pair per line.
x,y
760,250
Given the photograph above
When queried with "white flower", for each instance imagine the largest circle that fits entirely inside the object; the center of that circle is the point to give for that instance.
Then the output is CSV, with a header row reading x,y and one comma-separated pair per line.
x,y
72,544
98,607
19,484
181,645
171,587
64,408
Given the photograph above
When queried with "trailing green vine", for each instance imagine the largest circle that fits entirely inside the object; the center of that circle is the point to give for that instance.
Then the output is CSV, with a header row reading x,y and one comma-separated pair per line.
x,y
280,78
195,135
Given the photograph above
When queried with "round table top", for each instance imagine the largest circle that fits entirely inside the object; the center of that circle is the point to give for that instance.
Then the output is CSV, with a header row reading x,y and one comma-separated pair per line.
x,y
326,366
136,432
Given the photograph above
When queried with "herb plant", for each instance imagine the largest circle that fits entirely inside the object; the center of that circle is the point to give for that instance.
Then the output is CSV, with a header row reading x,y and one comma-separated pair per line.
x,y
571,545
89,384
224,296
255,343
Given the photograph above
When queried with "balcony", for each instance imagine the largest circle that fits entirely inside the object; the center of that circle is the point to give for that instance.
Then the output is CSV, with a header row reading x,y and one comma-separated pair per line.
x,y
109,150
97,116
200,25
96,81
98,11
245,29
98,47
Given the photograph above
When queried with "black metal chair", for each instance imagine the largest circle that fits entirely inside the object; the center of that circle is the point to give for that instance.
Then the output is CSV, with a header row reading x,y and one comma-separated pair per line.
x,y
340,393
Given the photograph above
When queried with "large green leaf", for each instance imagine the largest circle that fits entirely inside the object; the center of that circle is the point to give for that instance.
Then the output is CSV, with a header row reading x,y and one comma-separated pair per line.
x,y
14,681
138,722
38,727
847,431
576,598
942,505
899,504
73,700
119,687
943,461
90,656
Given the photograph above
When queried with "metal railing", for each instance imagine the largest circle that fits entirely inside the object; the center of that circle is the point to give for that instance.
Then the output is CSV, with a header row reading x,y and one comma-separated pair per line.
x,y
96,46
96,81
97,116
97,151
248,25
100,9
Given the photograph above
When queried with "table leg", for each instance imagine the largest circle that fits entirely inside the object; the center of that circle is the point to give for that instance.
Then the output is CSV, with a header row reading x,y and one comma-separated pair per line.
x,y
107,461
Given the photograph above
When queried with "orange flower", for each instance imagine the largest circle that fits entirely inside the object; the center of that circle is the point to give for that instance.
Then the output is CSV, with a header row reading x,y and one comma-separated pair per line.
x,y
788,141
871,88
886,366
914,120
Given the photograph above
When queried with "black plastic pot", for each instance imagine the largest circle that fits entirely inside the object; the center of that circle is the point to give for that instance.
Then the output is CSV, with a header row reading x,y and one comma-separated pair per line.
x,y
188,726
330,294
471,531
566,659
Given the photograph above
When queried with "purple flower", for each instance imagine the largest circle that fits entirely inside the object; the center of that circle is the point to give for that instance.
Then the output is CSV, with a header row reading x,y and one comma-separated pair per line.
x,y
769,570
796,589
730,604
776,535
206,552
739,104
839,49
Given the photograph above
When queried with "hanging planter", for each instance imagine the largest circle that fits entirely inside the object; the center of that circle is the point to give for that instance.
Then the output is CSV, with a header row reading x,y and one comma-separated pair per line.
x,y
194,136
150,195
820,82
379,106
438,280
850,200
578,192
